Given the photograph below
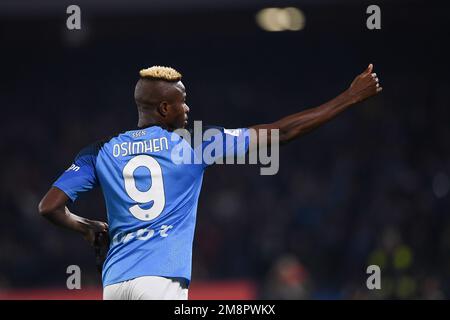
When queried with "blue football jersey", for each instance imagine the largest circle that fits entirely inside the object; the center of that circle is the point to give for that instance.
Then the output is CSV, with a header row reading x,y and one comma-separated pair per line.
x,y
151,196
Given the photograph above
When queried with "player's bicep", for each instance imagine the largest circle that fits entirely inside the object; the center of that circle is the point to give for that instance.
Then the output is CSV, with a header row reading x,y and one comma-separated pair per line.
x,y
262,134
54,199
220,143
253,136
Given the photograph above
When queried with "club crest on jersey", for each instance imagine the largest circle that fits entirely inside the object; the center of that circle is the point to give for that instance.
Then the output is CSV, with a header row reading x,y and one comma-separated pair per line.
x,y
138,134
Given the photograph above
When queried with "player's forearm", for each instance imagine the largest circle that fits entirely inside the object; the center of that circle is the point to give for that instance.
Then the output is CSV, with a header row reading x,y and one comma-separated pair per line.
x,y
62,217
363,86
298,124
53,208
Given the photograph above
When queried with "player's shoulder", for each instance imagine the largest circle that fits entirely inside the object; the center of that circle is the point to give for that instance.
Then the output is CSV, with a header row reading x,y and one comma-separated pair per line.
x,y
92,149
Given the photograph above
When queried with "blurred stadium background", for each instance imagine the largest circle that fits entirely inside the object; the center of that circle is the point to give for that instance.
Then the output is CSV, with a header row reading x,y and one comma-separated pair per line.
x,y
372,187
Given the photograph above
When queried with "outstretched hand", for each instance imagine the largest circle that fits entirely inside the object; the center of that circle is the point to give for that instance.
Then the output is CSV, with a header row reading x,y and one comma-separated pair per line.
x,y
365,85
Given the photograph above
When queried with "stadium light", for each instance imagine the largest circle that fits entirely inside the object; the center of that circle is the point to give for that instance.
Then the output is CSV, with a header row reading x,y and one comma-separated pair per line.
x,y
296,18
281,19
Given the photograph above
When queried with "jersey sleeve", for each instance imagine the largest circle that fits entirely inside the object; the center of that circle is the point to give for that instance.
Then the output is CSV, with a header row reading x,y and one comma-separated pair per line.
x,y
220,143
81,175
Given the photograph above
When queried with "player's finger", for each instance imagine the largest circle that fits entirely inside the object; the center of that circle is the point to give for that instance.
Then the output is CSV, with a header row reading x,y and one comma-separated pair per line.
x,y
369,68
103,226
379,89
374,75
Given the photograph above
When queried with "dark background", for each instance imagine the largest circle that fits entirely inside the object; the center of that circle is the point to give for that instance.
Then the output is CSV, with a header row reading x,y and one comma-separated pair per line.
x,y
371,187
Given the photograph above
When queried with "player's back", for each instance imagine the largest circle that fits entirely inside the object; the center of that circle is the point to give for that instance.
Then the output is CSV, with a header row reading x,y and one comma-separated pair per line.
x,y
151,180
151,204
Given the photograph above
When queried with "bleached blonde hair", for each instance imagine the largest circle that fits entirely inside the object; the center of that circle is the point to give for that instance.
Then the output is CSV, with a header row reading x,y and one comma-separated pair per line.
x,y
160,73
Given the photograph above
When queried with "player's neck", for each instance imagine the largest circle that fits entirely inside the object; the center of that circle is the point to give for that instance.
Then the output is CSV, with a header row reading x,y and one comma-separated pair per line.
x,y
145,123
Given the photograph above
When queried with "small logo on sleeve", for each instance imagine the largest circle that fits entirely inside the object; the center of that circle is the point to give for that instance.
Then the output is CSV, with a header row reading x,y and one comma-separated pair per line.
x,y
73,167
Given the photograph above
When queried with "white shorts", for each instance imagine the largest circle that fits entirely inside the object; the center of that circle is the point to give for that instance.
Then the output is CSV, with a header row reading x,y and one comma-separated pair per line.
x,y
147,288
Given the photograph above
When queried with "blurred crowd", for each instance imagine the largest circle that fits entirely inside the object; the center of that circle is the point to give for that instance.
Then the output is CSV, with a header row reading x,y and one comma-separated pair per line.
x,y
369,188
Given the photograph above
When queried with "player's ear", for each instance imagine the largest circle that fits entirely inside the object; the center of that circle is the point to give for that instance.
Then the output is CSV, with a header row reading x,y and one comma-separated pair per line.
x,y
163,108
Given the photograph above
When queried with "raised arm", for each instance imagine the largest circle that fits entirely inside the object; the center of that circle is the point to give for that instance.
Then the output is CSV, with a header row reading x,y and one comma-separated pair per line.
x,y
291,127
